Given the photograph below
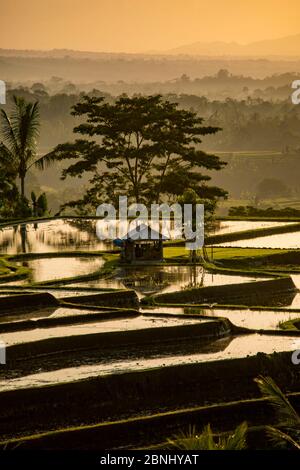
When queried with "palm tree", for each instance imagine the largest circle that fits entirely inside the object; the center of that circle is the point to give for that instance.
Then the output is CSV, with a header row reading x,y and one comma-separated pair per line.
x,y
288,430
20,131
207,441
9,193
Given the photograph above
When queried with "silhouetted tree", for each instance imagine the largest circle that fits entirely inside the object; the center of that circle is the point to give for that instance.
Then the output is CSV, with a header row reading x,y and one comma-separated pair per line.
x,y
20,131
138,146
39,204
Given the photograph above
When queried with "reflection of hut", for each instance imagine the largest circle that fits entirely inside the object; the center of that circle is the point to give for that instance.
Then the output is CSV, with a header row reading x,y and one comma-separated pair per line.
x,y
142,244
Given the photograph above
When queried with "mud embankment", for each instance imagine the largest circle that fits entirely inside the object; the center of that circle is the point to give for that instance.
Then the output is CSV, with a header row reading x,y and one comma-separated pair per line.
x,y
15,303
113,339
249,293
121,298
122,395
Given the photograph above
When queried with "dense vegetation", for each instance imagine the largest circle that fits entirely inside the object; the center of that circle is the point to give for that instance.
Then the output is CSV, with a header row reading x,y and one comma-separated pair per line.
x,y
248,122
143,147
260,136
250,211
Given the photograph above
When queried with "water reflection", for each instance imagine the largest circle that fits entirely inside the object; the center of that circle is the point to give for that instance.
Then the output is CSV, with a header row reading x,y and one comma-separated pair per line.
x,y
296,301
253,319
162,279
282,240
146,280
230,226
80,234
116,355
239,347
46,269
52,236
104,326
24,313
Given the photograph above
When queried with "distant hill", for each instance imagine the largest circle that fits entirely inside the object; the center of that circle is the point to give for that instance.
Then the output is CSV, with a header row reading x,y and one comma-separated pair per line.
x,y
284,47
288,46
258,60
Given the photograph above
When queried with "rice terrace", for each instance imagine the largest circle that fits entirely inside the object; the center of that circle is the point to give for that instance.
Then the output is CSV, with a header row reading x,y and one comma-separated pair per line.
x,y
156,334
80,324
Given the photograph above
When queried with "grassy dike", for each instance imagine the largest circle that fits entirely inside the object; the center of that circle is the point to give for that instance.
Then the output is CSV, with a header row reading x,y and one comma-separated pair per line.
x,y
243,261
9,271
291,325
106,271
180,253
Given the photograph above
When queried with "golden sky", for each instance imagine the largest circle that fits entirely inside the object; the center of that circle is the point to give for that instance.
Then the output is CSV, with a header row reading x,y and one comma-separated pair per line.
x,y
142,25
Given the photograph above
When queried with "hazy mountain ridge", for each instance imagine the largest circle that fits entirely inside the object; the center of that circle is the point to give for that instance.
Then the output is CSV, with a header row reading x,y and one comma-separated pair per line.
x,y
288,46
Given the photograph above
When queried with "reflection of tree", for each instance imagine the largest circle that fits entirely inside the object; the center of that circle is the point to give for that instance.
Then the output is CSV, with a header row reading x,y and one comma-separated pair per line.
x,y
59,234
194,277
22,240
144,281
156,278
73,232
212,227
6,241
23,237
16,239
83,225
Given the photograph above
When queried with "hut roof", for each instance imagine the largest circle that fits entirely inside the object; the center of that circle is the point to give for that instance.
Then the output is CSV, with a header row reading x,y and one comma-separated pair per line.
x,y
144,232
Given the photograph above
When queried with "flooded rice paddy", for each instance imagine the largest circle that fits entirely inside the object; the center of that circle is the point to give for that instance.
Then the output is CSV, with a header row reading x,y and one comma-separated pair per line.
x,y
235,347
231,226
146,280
80,235
137,323
246,318
282,240
58,293
52,236
45,269
46,312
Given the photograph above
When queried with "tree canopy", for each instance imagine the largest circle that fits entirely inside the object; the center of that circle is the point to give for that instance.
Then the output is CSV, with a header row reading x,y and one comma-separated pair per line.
x,y
144,147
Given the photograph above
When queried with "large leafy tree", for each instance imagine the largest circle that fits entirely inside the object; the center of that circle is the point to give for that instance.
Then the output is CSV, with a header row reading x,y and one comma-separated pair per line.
x,y
19,132
144,147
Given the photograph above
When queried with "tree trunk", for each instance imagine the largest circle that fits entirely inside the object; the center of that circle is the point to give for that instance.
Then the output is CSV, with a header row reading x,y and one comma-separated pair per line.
x,y
22,186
